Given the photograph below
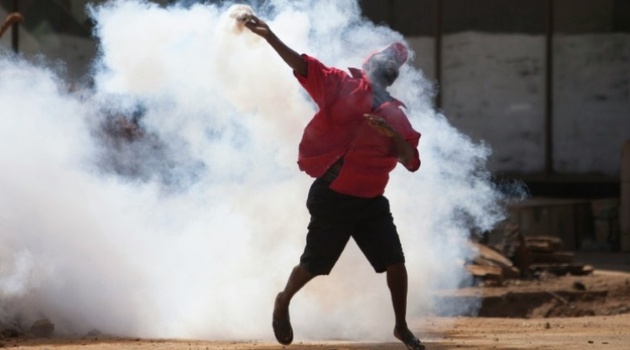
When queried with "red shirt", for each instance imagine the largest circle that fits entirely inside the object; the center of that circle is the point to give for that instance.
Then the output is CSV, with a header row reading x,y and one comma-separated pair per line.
x,y
339,129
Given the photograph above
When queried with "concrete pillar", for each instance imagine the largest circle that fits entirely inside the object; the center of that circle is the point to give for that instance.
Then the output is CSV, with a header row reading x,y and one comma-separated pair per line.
x,y
624,209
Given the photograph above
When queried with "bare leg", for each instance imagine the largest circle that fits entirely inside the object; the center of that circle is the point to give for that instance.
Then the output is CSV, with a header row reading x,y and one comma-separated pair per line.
x,y
281,322
299,278
397,283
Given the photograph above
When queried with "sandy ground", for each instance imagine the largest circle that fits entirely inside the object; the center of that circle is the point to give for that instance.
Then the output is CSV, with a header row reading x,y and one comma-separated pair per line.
x,y
594,332
551,312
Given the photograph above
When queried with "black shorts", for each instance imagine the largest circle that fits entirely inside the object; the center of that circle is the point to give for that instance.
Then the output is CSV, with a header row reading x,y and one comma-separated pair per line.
x,y
336,217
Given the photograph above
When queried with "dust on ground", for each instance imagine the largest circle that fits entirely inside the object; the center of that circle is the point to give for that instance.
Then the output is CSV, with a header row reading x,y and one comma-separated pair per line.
x,y
552,312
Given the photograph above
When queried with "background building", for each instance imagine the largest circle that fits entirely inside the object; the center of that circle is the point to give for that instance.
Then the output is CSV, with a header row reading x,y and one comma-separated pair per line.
x,y
545,83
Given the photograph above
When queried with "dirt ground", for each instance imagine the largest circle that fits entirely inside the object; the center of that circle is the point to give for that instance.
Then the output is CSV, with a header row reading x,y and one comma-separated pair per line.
x,y
550,312
593,332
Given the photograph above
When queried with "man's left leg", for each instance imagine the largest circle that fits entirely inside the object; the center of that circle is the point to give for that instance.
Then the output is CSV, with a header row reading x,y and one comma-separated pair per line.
x,y
377,237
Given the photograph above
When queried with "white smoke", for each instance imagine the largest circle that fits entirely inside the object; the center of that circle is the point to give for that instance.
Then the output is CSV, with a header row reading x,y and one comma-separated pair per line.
x,y
191,229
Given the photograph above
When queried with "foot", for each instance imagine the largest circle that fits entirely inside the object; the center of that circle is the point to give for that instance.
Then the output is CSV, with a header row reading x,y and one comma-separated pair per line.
x,y
404,335
281,323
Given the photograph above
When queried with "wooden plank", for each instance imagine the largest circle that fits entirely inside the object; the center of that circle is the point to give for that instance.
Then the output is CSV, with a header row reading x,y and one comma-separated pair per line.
x,y
563,269
542,244
553,240
551,258
489,254
489,272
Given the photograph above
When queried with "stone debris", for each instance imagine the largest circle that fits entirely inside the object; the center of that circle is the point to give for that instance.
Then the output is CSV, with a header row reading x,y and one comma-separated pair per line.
x,y
519,256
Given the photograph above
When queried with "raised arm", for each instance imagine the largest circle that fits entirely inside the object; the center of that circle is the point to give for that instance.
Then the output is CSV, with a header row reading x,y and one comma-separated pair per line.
x,y
292,58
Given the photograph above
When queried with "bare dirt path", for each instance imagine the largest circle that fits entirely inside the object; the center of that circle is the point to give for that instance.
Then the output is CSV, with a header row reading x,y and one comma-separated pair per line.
x,y
602,303
575,333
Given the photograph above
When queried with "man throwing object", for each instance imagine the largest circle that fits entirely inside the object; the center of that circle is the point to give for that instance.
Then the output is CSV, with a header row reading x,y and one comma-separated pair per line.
x,y
350,146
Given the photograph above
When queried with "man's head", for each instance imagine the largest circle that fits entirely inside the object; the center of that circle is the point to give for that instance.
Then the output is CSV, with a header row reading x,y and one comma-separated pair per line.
x,y
382,67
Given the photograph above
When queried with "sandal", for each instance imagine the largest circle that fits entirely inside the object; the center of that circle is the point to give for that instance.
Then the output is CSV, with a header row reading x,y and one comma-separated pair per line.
x,y
282,325
283,331
410,340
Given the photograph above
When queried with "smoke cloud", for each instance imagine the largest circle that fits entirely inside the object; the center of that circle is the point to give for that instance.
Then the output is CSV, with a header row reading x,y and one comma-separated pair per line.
x,y
164,199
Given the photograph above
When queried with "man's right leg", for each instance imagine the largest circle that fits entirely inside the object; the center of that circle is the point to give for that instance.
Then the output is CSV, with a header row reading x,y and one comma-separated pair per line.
x,y
281,321
299,278
328,234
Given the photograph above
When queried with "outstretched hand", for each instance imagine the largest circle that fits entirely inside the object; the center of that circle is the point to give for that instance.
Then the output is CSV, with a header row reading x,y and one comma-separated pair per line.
x,y
11,19
14,17
292,58
258,26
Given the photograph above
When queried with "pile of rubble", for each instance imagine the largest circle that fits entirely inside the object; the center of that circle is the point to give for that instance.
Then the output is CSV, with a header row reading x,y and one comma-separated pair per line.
x,y
519,256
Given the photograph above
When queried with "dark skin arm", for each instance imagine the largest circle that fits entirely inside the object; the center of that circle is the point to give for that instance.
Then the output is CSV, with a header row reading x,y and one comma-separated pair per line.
x,y
295,61
292,58
401,147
